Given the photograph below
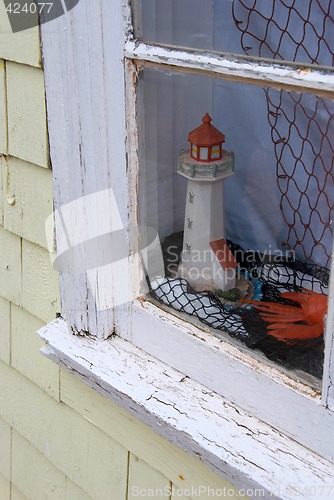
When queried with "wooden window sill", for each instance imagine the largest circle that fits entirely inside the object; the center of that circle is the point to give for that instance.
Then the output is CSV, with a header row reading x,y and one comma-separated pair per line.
x,y
237,446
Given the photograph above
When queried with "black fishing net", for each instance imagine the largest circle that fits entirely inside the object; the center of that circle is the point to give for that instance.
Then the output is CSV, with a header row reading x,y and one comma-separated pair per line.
x,y
269,277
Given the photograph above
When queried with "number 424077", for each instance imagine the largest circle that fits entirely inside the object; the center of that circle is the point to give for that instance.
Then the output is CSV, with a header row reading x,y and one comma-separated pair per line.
x,y
29,8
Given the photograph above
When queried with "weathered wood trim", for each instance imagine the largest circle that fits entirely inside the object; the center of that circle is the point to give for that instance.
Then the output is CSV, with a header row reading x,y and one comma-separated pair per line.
x,y
277,398
84,78
265,73
239,447
88,110
328,377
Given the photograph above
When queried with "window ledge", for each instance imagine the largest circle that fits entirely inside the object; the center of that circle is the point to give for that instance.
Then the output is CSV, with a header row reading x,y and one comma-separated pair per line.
x,y
237,446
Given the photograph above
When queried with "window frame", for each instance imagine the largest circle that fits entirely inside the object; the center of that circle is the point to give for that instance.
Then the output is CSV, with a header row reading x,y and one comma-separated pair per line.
x,y
190,338
73,72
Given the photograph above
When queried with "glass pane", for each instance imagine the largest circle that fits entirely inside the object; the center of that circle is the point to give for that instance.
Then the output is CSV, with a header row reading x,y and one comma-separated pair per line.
x,y
288,30
254,224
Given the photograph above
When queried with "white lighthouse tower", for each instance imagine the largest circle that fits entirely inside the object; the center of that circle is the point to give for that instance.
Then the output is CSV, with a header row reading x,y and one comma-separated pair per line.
x,y
206,257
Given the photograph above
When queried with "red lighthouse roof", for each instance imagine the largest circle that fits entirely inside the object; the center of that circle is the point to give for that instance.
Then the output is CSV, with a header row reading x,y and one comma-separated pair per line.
x,y
206,134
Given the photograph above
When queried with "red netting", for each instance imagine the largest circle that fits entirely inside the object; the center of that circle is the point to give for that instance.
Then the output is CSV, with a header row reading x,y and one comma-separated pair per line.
x,y
302,125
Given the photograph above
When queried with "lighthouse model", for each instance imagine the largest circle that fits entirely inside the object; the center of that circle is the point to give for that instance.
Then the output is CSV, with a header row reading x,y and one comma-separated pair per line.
x,y
206,258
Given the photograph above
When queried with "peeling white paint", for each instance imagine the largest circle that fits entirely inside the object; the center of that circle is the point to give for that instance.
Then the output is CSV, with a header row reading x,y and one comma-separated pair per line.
x,y
88,88
262,73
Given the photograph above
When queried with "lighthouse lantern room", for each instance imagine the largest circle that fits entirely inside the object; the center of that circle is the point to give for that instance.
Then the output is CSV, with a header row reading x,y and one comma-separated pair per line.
x,y
206,141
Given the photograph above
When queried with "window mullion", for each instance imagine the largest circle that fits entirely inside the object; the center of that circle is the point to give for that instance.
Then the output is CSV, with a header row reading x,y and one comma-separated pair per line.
x,y
259,72
328,377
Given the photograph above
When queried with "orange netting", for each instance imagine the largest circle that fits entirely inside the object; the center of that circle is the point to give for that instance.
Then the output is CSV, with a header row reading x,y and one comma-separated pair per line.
x,y
302,125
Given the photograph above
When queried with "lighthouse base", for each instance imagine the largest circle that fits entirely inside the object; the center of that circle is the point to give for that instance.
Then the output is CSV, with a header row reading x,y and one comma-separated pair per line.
x,y
222,279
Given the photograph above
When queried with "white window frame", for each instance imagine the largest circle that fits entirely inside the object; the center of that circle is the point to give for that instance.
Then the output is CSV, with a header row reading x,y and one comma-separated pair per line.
x,y
91,66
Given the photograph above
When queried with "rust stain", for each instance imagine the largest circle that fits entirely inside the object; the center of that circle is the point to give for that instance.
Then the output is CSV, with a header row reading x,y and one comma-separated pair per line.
x,y
181,477
303,70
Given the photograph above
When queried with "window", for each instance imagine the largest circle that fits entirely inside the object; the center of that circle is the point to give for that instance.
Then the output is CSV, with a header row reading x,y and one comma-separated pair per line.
x,y
291,119
110,165
277,194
